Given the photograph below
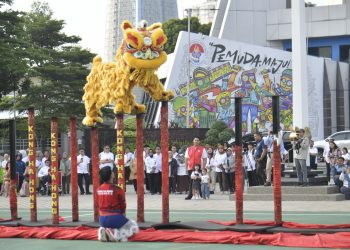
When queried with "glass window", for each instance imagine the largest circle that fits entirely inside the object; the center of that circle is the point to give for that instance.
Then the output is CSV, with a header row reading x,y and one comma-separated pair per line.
x,y
320,51
340,136
347,136
344,53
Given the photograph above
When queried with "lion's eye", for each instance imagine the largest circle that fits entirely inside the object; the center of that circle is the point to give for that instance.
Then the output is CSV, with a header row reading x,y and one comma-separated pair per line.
x,y
128,46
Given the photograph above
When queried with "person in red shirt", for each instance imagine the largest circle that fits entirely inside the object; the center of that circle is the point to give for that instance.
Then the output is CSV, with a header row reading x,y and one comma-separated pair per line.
x,y
114,226
194,155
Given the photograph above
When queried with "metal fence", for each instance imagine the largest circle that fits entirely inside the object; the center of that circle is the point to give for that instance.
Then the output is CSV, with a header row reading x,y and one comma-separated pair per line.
x,y
22,144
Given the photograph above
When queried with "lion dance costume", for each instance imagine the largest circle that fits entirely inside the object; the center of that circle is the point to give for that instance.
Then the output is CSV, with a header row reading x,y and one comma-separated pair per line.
x,y
139,56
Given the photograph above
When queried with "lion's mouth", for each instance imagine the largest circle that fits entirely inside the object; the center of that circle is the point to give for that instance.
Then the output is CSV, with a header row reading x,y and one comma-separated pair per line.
x,y
148,55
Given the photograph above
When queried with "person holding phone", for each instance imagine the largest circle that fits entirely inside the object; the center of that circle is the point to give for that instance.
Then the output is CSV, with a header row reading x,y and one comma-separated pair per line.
x,y
83,172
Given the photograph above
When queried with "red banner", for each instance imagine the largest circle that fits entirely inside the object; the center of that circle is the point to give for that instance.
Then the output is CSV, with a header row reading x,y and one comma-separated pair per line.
x,y
54,171
120,151
32,165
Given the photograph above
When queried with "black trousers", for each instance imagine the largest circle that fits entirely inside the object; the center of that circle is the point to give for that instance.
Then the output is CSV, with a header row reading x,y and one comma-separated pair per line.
x,y
189,184
159,183
127,174
20,182
231,181
328,165
87,183
147,181
153,182
252,178
66,184
172,185
260,172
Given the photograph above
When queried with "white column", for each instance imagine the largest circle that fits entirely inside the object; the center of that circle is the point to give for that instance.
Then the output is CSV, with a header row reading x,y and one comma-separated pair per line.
x,y
300,84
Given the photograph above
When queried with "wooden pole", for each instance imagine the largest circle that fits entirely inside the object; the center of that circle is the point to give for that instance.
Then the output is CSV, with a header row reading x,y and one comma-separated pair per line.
x,y
13,181
74,165
54,171
32,165
120,152
164,137
140,171
95,169
277,189
238,161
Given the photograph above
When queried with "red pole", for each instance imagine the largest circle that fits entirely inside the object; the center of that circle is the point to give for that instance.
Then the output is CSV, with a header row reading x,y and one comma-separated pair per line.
x,y
74,164
95,169
32,165
140,174
54,171
120,151
164,132
239,185
13,181
277,192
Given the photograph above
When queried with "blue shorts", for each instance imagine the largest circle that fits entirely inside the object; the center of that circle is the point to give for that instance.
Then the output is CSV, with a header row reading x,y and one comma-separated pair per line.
x,y
113,221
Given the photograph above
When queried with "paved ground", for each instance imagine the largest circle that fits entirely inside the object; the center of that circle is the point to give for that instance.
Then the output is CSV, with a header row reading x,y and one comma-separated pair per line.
x,y
218,207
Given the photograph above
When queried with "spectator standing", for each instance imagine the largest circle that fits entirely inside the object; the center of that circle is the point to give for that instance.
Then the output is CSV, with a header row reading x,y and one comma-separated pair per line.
x,y
268,141
20,168
326,158
173,165
128,157
158,157
195,155
133,173
220,162
250,165
174,151
65,168
146,149
211,170
6,179
260,158
152,172
182,177
196,182
83,172
230,170
205,184
106,158
301,146
313,152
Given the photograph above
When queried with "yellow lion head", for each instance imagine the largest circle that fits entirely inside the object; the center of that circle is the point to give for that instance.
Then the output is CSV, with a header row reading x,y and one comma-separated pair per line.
x,y
142,48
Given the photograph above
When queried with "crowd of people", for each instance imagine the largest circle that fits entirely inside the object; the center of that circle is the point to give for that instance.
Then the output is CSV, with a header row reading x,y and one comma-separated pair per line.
x,y
197,171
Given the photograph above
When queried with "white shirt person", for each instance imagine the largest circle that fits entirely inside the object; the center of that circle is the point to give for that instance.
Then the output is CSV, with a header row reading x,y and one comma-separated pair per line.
x,y
106,158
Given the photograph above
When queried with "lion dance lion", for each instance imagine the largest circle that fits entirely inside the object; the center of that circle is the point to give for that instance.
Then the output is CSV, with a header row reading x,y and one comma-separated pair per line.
x,y
139,56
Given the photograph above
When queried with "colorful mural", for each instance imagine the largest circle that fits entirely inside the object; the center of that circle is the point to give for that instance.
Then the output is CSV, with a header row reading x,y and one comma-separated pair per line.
x,y
222,70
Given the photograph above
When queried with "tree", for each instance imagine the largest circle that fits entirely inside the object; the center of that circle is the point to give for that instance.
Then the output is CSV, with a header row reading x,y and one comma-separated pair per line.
x,y
13,59
218,133
173,27
58,70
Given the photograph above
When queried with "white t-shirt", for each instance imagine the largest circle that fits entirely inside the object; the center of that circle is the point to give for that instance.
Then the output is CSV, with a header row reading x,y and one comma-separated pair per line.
x,y
313,150
128,158
181,170
210,163
44,171
205,178
204,154
159,161
249,161
106,156
151,165
83,164
43,161
220,159
38,164
326,152
3,164
25,159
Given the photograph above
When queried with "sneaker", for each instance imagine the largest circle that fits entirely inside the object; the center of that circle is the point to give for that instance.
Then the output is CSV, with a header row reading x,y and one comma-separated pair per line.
x,y
211,192
193,198
305,184
267,184
102,234
188,198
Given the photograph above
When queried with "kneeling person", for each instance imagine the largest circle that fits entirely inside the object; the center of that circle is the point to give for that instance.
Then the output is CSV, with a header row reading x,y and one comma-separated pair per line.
x,y
111,200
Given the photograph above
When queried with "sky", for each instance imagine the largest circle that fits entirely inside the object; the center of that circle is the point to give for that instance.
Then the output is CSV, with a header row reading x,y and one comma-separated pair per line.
x,y
87,18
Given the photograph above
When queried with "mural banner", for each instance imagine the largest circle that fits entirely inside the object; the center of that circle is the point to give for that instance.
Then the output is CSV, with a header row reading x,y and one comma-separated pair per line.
x,y
221,70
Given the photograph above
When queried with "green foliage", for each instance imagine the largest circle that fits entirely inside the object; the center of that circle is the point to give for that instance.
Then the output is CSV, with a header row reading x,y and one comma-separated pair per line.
x,y
173,27
57,70
218,133
13,50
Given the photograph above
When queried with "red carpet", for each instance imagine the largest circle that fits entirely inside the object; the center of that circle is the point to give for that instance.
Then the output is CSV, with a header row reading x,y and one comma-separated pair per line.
x,y
338,240
284,224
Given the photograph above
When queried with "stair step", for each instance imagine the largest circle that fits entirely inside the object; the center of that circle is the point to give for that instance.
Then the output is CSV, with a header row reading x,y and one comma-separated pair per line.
x,y
292,197
295,190
315,181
